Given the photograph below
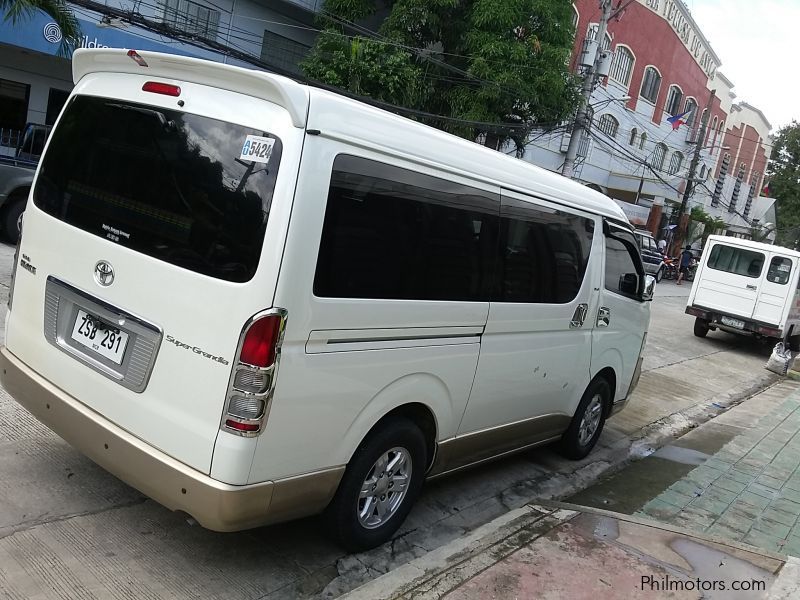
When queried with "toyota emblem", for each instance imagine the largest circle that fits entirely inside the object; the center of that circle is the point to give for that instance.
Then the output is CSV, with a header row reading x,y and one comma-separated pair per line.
x,y
104,273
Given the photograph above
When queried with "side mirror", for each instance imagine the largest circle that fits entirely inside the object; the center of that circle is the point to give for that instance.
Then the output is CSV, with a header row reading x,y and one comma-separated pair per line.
x,y
629,284
649,288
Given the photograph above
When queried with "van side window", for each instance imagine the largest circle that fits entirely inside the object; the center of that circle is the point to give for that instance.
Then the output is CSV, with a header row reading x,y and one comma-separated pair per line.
x,y
779,269
544,253
393,233
736,260
622,274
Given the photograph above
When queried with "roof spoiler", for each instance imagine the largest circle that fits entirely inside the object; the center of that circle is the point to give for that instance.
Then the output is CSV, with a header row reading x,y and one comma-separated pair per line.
x,y
285,92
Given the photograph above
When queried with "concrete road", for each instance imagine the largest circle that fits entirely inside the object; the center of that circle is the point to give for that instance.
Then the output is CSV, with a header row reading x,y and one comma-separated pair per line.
x,y
70,530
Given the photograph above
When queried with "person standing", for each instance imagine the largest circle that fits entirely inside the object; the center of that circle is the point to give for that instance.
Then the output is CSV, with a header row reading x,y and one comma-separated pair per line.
x,y
662,246
686,261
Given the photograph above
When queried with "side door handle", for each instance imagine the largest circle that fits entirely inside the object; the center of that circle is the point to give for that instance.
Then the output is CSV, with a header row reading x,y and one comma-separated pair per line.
x,y
751,287
603,316
579,317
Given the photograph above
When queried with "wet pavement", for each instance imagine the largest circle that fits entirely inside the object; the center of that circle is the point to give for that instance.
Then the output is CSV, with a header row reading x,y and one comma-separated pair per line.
x,y
737,477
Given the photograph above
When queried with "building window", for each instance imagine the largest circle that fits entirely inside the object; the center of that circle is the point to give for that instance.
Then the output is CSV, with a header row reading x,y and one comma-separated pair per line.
x,y
673,105
634,134
13,110
703,172
659,154
691,108
643,141
608,125
282,52
55,102
675,163
713,130
190,17
622,67
591,34
651,84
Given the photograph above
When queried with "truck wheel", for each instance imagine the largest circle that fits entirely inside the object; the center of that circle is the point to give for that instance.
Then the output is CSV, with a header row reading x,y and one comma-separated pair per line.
x,y
659,275
700,327
794,343
379,486
12,218
588,421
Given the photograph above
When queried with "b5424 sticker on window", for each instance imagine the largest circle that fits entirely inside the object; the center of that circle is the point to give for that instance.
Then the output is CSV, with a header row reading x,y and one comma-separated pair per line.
x,y
257,149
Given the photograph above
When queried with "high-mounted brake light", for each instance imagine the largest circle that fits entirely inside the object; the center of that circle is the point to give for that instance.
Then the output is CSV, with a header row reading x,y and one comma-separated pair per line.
x,y
253,376
135,56
161,88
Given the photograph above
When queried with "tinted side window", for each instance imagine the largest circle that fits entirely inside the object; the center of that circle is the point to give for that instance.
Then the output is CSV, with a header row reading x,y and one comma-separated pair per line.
x,y
544,253
736,260
393,233
779,269
622,275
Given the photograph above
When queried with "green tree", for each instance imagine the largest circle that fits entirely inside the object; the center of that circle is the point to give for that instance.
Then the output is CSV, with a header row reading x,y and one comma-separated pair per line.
x,y
20,10
784,183
502,64
702,225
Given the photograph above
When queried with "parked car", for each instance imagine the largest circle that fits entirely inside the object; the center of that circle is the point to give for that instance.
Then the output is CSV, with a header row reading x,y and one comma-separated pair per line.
x,y
747,288
254,300
16,176
652,258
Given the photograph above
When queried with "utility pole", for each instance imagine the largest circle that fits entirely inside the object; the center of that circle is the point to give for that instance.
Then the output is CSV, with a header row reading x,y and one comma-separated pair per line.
x,y
683,223
579,125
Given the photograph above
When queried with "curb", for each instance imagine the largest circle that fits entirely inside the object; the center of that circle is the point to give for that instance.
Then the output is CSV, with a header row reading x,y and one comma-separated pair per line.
x,y
438,571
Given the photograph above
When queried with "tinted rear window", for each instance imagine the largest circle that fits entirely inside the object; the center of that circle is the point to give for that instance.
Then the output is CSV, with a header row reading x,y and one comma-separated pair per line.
x,y
168,184
736,260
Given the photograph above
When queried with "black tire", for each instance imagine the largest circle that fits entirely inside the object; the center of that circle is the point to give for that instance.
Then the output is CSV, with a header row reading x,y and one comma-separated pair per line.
x,y
659,275
571,445
11,217
700,327
794,343
341,515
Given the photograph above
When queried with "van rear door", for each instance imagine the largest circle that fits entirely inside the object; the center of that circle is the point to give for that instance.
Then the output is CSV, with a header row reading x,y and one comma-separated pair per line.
x,y
730,279
775,290
155,232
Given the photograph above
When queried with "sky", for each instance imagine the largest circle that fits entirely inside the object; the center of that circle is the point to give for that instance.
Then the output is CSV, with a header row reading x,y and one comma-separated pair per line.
x,y
758,43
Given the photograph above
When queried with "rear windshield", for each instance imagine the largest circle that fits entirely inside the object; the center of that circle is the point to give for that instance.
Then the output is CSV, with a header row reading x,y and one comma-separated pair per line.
x,y
188,190
736,260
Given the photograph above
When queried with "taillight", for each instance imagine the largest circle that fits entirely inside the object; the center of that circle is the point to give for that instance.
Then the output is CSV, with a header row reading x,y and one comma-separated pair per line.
x,y
253,376
167,89
261,341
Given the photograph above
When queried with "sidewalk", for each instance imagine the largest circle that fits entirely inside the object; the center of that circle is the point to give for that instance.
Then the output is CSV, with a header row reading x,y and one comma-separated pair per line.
x,y
549,552
731,519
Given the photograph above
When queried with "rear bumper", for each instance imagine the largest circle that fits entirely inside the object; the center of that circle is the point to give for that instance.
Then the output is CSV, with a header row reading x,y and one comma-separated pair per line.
x,y
213,504
751,327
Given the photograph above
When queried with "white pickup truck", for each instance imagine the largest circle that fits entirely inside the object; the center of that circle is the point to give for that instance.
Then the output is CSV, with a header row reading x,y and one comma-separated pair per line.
x,y
747,288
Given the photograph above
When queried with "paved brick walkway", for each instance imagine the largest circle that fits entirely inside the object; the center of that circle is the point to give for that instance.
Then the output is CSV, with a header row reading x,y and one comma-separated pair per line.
x,y
749,491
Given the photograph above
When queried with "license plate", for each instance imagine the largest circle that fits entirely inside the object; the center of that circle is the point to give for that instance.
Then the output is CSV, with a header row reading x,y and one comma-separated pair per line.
x,y
732,322
104,339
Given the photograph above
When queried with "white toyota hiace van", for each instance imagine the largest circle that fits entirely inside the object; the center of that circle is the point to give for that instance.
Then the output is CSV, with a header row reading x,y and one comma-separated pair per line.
x,y
254,300
747,288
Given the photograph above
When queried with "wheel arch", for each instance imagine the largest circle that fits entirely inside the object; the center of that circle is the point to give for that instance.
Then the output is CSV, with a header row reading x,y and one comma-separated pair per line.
x,y
610,376
422,398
